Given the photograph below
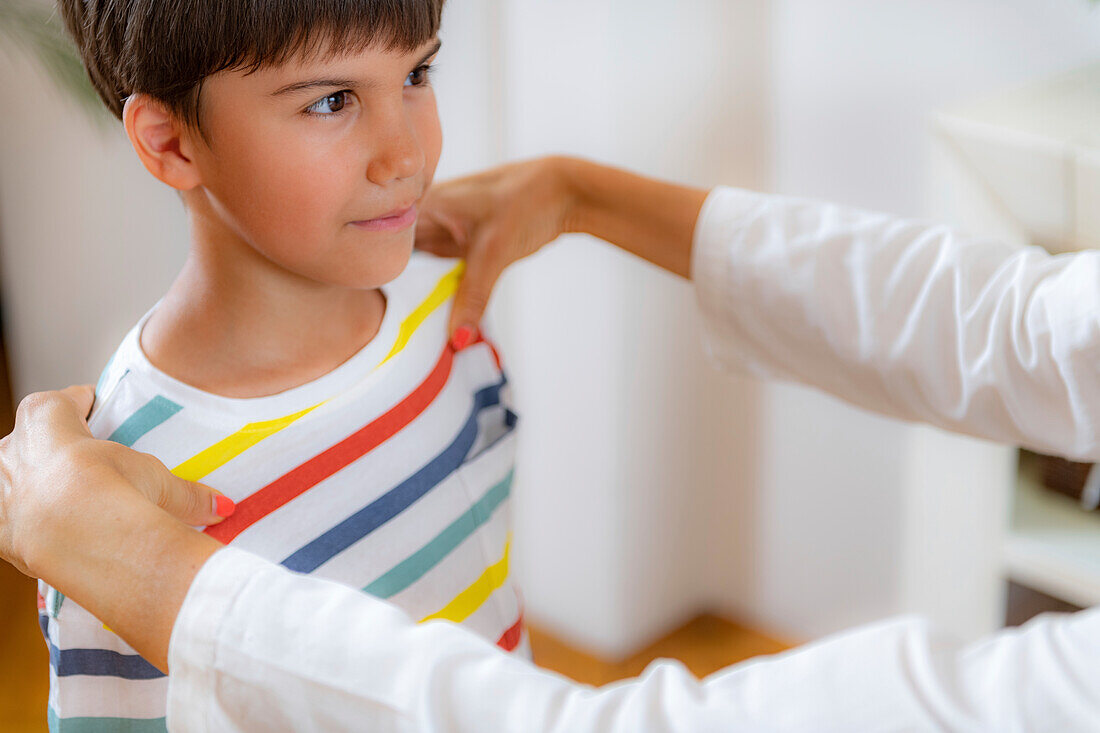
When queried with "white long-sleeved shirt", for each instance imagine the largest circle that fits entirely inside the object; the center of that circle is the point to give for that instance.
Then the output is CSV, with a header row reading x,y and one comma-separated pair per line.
x,y
907,319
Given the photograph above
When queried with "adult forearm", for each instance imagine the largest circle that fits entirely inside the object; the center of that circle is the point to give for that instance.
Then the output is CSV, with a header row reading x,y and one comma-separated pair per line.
x,y
652,219
260,648
909,319
133,570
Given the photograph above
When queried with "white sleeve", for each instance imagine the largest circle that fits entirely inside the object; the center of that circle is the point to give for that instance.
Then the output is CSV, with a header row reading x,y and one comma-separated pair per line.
x,y
258,648
904,318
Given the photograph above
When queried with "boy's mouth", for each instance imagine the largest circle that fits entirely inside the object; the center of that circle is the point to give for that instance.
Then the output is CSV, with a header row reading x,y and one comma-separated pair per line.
x,y
392,221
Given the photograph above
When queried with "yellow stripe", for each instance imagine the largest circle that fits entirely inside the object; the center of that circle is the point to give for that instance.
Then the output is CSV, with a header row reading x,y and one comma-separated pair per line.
x,y
225,450
444,289
469,600
212,458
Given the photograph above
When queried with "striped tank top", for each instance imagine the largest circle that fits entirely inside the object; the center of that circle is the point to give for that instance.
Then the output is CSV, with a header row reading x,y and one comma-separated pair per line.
x,y
390,473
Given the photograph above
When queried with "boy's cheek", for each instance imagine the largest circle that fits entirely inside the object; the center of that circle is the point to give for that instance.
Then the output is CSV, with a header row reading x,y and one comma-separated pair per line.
x,y
430,134
304,197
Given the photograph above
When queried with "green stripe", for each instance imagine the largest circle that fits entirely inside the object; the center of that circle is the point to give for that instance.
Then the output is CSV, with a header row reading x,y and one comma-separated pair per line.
x,y
104,725
55,603
409,570
148,416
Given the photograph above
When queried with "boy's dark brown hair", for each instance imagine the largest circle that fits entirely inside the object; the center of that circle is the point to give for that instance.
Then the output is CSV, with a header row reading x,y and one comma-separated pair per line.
x,y
165,48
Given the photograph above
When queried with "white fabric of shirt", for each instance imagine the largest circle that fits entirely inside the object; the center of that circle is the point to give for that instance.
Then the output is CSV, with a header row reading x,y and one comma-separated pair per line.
x,y
907,319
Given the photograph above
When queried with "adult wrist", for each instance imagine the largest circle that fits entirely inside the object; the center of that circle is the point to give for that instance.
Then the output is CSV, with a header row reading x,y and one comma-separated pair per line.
x,y
82,532
569,180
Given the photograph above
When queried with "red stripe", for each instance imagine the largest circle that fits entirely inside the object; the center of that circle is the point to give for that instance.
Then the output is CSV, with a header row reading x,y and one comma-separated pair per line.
x,y
298,480
496,354
41,603
482,340
509,640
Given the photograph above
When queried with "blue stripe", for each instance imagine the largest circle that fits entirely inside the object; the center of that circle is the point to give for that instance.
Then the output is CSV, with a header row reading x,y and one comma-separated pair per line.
x,y
497,433
101,663
148,416
105,663
412,568
104,725
396,500
55,654
96,662
44,624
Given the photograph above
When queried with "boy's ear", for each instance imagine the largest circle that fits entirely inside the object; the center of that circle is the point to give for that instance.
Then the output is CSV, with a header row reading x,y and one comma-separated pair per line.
x,y
161,141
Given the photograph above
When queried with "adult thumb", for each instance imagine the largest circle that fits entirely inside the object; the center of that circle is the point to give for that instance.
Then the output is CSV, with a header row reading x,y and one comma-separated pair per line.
x,y
198,504
190,502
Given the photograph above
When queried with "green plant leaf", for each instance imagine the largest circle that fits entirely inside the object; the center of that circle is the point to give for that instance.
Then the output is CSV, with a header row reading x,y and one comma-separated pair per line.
x,y
39,32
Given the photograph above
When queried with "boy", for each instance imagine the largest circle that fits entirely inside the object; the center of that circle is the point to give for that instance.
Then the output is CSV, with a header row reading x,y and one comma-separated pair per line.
x,y
288,366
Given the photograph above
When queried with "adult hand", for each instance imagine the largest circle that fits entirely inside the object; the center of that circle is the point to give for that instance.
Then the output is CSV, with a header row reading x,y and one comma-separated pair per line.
x,y
493,219
505,214
53,473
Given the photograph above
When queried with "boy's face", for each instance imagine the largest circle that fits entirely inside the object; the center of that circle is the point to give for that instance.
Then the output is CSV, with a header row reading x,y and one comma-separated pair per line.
x,y
319,164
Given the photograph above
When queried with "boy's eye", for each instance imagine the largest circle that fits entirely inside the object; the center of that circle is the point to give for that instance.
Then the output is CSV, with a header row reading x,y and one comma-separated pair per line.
x,y
331,104
419,76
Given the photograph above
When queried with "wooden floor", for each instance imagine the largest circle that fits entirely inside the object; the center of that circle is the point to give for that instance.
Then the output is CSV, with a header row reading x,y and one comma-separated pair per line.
x,y
24,662
704,645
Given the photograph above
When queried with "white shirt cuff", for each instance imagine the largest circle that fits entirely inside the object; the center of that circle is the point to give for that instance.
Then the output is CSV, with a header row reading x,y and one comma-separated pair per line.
x,y
193,647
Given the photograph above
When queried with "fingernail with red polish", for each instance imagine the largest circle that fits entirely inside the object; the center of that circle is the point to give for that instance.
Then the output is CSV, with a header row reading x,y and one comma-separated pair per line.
x,y
223,505
463,337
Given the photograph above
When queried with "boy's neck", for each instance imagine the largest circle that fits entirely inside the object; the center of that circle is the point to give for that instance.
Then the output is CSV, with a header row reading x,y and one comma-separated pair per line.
x,y
235,324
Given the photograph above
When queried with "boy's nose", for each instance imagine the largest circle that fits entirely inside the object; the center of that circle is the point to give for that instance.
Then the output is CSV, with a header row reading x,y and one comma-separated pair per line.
x,y
396,151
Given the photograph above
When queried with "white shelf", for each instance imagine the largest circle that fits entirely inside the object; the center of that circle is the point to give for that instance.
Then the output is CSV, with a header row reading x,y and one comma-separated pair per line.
x,y
1063,110
1026,163
1053,546
1022,167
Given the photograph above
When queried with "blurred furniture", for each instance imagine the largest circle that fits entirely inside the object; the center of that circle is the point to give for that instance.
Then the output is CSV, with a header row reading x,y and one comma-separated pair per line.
x,y
1025,167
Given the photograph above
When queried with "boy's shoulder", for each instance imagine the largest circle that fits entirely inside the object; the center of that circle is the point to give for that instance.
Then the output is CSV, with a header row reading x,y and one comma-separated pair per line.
x,y
426,276
117,369
422,296
429,283
418,310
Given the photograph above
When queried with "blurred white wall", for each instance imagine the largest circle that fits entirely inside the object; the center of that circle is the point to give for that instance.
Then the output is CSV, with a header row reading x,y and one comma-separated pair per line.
x,y
854,83
636,459
88,239
650,485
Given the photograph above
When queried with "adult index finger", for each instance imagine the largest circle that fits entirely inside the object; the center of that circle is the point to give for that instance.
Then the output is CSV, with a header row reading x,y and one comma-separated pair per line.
x,y
83,396
54,417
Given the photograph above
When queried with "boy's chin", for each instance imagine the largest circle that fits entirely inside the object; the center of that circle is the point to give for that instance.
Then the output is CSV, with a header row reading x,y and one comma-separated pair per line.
x,y
385,266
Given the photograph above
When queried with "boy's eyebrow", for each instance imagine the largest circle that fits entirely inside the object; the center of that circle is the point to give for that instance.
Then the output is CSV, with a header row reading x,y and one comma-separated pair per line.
x,y
349,83
298,86
432,51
